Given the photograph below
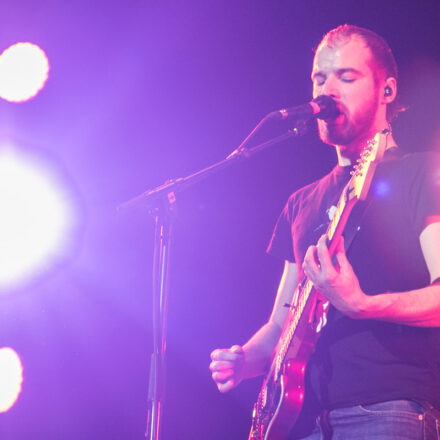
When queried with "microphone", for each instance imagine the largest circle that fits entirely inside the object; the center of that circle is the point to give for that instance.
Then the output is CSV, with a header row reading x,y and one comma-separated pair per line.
x,y
322,107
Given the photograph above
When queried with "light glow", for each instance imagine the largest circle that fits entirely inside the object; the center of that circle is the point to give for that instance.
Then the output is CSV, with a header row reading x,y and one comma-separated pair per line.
x,y
24,69
382,189
11,378
35,219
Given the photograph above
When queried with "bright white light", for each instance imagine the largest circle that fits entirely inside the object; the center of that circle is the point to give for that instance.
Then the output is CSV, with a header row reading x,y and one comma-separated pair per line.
x,y
11,378
35,219
24,69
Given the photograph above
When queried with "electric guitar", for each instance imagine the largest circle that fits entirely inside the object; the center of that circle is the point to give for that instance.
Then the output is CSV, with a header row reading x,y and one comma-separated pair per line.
x,y
280,400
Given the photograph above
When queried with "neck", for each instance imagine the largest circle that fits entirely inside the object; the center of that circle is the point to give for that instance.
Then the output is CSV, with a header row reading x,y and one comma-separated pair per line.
x,y
348,154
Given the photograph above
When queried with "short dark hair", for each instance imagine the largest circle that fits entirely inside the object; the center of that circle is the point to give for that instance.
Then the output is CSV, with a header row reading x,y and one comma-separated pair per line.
x,y
381,54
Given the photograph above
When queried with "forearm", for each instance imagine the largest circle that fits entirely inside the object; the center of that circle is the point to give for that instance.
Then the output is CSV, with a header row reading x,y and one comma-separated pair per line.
x,y
259,349
420,308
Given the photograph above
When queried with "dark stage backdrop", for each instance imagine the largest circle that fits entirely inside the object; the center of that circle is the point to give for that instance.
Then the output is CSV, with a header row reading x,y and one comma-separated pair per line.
x,y
141,91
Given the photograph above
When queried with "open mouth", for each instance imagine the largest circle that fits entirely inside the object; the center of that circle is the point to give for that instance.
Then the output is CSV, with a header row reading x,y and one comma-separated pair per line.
x,y
335,121
340,116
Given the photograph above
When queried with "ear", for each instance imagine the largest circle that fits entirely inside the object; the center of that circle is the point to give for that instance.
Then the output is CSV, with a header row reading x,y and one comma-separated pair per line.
x,y
389,90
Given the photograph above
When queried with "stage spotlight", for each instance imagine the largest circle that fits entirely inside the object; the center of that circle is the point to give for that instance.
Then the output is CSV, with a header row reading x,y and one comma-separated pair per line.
x,y
24,69
36,218
11,378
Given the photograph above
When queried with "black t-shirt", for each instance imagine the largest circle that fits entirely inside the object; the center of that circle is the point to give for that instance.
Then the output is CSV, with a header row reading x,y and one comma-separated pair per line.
x,y
366,361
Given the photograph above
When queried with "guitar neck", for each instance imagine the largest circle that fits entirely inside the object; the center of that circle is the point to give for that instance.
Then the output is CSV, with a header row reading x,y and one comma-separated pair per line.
x,y
339,220
305,287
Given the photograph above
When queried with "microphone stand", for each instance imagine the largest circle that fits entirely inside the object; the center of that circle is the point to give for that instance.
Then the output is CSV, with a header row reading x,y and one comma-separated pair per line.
x,y
161,202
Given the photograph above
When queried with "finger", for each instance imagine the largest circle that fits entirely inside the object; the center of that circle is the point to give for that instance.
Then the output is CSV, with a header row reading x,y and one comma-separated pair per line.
x,y
324,257
220,365
225,387
310,264
340,248
222,376
223,354
341,257
237,349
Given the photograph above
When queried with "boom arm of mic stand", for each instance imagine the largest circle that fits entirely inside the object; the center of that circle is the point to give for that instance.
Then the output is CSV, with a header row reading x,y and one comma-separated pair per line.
x,y
160,201
151,197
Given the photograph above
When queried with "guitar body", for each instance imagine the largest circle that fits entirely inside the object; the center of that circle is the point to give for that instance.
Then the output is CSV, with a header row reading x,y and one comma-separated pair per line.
x,y
280,401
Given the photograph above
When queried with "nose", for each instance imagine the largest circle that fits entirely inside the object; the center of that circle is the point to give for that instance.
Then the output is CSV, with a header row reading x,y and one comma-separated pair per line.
x,y
330,87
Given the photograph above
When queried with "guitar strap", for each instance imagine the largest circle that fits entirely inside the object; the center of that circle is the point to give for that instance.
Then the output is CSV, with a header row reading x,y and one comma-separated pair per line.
x,y
354,223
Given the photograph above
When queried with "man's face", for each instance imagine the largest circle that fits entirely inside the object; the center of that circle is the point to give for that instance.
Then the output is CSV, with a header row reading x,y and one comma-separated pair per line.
x,y
344,72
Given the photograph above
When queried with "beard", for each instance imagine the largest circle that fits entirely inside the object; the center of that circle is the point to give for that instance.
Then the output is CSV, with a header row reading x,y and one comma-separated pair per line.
x,y
347,129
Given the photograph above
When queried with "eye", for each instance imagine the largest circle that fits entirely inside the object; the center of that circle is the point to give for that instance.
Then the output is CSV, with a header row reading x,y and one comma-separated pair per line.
x,y
347,78
318,79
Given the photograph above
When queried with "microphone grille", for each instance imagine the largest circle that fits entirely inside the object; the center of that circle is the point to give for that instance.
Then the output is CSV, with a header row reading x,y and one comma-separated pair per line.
x,y
328,107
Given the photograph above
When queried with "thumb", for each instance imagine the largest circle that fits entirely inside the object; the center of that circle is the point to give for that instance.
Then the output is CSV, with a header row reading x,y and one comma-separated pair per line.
x,y
340,245
236,349
340,255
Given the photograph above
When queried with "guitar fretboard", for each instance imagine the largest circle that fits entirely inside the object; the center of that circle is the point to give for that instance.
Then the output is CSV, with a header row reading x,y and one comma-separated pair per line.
x,y
302,294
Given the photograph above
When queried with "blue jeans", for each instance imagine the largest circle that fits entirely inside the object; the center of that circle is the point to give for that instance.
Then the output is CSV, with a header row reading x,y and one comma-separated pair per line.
x,y
393,420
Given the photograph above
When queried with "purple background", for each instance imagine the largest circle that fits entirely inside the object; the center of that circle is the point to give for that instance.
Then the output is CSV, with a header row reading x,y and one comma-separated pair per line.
x,y
141,91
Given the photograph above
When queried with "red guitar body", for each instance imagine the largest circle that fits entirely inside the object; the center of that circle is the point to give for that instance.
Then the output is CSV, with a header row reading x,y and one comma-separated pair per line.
x,y
280,401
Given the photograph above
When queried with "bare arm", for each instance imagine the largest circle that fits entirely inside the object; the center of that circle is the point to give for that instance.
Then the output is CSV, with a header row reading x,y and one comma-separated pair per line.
x,y
261,345
419,307
230,366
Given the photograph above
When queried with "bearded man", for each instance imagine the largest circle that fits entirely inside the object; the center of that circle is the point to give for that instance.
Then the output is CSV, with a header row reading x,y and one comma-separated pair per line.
x,y
375,372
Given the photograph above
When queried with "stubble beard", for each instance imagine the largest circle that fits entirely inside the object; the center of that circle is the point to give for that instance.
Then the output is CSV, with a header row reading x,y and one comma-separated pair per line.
x,y
352,130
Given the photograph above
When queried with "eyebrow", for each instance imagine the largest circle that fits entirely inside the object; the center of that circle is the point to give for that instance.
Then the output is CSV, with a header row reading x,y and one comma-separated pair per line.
x,y
339,72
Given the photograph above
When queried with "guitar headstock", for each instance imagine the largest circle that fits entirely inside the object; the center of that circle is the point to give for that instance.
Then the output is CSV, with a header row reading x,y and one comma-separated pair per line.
x,y
363,171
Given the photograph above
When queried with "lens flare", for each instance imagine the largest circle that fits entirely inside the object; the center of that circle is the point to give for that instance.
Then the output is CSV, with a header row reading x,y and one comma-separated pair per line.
x,y
24,69
35,219
11,378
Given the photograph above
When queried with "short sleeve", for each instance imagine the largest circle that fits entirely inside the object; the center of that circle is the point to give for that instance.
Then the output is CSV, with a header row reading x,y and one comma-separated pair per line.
x,y
281,243
424,192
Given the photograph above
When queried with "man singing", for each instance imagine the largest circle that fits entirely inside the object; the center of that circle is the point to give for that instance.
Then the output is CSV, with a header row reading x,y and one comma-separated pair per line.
x,y
375,373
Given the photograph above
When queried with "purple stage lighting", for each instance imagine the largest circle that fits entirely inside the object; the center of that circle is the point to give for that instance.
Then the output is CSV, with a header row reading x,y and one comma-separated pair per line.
x,y
24,69
11,378
36,218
